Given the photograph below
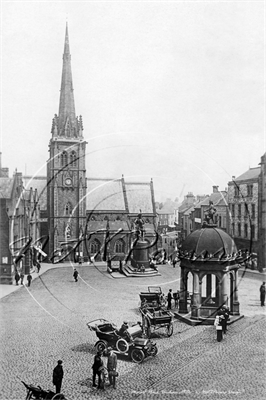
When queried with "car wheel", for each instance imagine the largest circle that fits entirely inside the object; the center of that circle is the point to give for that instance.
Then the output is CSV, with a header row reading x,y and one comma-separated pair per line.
x,y
101,346
137,356
170,329
122,345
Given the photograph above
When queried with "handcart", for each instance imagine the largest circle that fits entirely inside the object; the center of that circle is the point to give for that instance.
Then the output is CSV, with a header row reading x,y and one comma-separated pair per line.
x,y
37,393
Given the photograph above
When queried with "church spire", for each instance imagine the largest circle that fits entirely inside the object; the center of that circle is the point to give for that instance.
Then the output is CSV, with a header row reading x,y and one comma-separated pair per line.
x,y
66,123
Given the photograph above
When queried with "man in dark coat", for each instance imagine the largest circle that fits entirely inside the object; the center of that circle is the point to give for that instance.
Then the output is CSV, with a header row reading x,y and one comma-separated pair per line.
x,y
29,278
58,374
226,315
17,277
262,294
21,278
169,299
75,275
97,364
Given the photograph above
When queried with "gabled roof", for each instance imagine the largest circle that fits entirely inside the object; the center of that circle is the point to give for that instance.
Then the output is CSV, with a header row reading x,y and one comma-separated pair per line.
x,y
105,195
189,210
112,195
252,173
169,207
39,183
139,197
6,185
218,198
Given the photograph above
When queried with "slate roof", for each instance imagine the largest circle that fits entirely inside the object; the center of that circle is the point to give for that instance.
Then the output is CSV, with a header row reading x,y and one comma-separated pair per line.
x,y
39,183
6,185
252,173
105,195
108,195
169,207
219,198
139,197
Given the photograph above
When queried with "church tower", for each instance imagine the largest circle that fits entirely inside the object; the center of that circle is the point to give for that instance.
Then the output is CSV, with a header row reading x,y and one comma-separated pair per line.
x,y
66,169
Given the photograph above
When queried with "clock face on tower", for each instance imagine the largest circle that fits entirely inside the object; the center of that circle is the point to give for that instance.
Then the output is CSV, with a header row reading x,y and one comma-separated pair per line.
x,y
68,182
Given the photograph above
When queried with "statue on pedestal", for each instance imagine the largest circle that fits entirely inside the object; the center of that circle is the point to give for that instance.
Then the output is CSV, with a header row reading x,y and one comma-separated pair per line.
x,y
209,214
139,227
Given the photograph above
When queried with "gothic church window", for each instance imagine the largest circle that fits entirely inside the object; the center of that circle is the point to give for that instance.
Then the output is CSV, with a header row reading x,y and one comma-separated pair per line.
x,y
64,159
95,246
120,246
73,159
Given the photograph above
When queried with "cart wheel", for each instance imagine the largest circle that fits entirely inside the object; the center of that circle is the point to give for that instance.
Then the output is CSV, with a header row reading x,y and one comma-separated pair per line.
x,y
137,356
58,396
122,345
101,346
154,351
170,329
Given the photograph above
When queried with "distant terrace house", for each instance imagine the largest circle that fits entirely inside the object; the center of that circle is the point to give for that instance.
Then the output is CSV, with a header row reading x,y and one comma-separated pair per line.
x,y
243,199
19,220
183,214
168,216
219,200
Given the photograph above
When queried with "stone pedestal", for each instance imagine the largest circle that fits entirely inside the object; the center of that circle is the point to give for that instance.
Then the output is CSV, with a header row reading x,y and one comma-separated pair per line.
x,y
140,255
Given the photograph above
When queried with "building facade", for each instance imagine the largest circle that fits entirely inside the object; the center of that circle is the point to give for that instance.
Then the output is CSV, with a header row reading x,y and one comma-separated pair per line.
x,y
66,169
19,224
243,201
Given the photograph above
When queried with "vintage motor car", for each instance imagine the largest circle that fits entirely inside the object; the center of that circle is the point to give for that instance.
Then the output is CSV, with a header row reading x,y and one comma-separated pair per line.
x,y
131,344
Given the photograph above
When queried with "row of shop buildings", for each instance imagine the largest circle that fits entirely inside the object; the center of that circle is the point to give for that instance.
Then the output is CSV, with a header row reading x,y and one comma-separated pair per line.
x,y
240,211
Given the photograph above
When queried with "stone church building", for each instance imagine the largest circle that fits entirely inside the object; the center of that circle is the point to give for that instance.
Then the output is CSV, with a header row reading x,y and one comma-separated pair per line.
x,y
69,205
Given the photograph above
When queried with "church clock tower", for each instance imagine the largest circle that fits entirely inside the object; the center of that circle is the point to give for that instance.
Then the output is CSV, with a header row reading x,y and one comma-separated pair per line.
x,y
66,170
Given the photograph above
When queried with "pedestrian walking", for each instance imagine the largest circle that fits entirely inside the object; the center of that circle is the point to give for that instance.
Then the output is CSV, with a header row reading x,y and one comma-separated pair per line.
x,y
97,369
58,374
29,278
218,325
75,275
169,299
17,277
111,366
21,278
176,298
262,294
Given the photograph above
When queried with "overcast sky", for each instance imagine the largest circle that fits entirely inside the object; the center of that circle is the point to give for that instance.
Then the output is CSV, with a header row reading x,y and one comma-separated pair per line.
x,y
172,91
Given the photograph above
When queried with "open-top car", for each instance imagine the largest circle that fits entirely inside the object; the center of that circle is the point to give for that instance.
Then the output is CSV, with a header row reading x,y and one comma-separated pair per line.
x,y
131,342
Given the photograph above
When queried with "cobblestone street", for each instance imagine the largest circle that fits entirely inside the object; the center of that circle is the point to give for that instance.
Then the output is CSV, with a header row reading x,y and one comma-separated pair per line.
x,y
47,322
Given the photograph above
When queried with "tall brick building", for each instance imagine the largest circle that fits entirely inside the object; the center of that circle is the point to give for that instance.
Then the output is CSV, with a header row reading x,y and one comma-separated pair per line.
x,y
243,200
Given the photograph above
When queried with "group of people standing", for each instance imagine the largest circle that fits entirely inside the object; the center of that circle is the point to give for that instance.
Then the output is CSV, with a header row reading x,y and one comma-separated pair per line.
x,y
172,296
20,277
220,322
100,370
